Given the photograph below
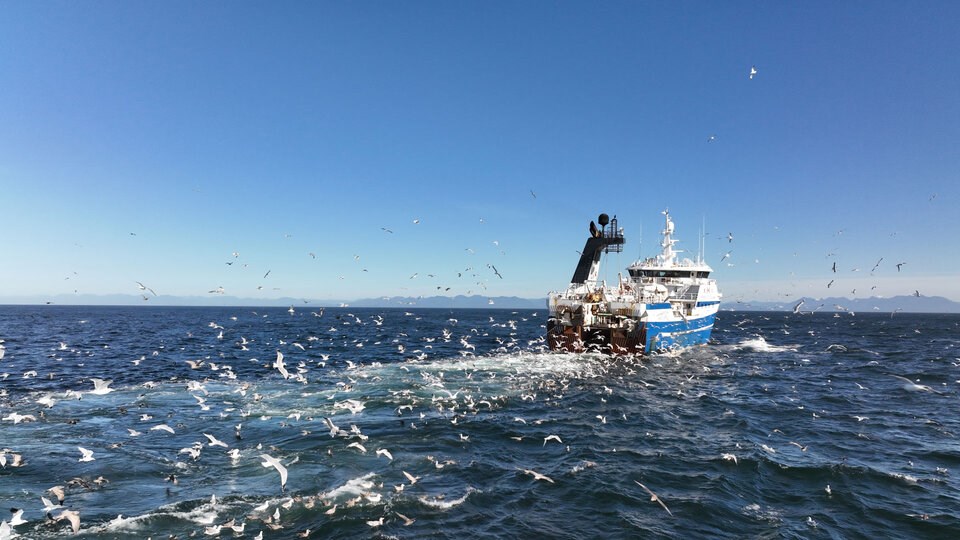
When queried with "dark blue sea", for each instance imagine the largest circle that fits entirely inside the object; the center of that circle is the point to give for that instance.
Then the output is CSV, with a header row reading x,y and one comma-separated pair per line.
x,y
425,423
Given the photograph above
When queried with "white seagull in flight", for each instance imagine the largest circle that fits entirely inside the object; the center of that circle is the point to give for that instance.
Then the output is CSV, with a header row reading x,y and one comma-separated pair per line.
x,y
214,441
269,461
143,287
87,454
101,387
654,498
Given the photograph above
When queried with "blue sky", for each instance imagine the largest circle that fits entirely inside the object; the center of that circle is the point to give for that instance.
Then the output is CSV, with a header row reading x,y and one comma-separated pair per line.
x,y
150,141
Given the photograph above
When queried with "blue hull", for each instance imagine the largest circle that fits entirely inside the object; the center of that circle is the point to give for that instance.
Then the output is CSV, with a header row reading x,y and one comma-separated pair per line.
x,y
668,336
649,337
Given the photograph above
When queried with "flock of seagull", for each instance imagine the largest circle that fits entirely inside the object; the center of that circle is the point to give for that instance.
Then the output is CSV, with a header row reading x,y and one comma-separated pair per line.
x,y
427,396
479,281
412,405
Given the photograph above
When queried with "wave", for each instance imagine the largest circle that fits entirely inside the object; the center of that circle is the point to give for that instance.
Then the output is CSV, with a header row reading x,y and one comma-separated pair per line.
x,y
352,488
760,344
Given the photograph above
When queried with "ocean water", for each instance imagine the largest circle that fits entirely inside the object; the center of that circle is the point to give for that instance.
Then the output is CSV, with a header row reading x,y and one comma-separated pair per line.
x,y
784,426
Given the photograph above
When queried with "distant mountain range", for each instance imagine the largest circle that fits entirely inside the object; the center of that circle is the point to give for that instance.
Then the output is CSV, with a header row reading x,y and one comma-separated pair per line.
x,y
907,304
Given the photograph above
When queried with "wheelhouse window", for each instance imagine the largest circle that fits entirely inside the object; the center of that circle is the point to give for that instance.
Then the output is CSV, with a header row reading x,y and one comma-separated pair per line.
x,y
637,273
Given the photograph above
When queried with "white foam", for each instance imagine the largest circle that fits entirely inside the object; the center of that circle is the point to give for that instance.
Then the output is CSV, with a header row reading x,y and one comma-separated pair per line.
x,y
352,488
760,344
583,465
441,503
911,480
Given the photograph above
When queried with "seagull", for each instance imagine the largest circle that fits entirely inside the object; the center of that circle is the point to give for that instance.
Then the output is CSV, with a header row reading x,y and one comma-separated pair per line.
x,y
280,367
551,438
193,451
17,517
17,417
384,229
726,255
267,274
406,521
334,430
57,492
730,457
496,272
654,498
911,386
899,265
48,505
101,387
534,194
71,516
162,427
537,476
143,287
796,308
753,71
358,446
413,479
16,460
214,441
269,461
87,454
385,452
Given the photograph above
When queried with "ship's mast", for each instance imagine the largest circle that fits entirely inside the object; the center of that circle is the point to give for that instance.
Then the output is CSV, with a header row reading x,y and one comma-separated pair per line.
x,y
667,256
702,248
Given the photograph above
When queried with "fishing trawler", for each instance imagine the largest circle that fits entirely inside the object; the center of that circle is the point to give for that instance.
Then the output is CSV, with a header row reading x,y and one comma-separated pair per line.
x,y
663,303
